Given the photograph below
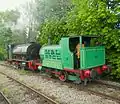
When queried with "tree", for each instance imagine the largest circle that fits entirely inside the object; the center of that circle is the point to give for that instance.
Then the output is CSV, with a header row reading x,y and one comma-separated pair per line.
x,y
8,20
55,29
52,8
93,18
89,17
37,12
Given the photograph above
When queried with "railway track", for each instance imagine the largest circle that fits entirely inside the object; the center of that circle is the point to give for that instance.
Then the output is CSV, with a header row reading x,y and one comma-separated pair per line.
x,y
111,95
3,99
107,84
90,88
36,96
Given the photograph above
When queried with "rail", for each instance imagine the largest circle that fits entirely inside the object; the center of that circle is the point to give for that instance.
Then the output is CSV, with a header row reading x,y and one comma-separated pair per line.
x,y
3,97
80,87
30,88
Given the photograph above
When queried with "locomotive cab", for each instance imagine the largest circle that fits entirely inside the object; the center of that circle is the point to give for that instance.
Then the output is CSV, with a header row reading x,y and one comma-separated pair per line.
x,y
77,43
90,54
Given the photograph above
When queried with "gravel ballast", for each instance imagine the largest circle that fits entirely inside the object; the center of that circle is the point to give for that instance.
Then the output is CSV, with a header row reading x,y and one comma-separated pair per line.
x,y
61,93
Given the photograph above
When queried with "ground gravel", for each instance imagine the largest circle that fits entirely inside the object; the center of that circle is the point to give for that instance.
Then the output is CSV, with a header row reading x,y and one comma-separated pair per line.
x,y
61,93
17,94
112,83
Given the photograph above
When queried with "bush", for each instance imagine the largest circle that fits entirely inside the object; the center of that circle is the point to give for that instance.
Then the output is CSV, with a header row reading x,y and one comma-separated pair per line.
x,y
89,17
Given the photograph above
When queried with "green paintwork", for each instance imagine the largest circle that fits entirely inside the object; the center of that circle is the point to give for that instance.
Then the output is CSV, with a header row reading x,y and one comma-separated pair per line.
x,y
73,78
67,56
92,56
39,67
23,63
60,56
51,56
56,64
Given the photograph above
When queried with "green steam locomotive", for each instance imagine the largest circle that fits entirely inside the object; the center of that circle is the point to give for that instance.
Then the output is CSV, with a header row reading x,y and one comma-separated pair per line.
x,y
79,59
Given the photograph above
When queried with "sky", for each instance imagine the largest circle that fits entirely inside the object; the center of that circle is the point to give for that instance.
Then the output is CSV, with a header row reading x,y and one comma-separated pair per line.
x,y
11,4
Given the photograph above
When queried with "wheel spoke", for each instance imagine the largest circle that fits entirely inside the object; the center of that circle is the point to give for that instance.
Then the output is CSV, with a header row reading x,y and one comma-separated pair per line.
x,y
63,76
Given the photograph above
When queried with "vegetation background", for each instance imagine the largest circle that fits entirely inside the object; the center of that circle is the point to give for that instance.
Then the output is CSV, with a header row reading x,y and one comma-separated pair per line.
x,y
41,19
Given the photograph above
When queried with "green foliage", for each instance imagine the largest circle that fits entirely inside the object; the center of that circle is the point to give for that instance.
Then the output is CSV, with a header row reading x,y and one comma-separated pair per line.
x,y
9,16
89,17
2,54
51,9
53,28
114,58
7,20
5,38
96,19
